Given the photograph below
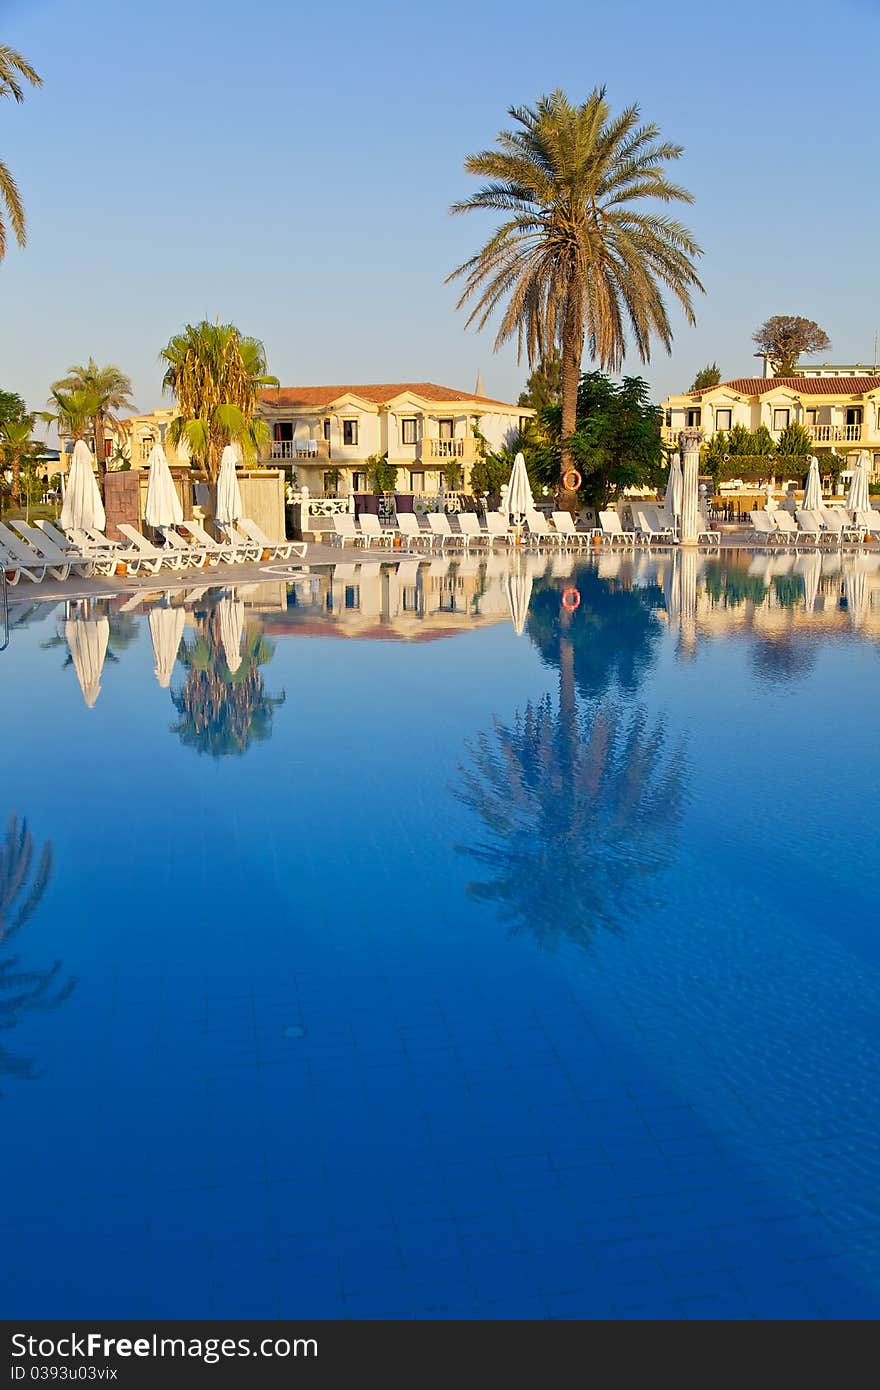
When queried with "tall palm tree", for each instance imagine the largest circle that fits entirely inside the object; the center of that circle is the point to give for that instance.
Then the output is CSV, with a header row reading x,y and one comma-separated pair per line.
x,y
579,256
111,390
14,72
215,372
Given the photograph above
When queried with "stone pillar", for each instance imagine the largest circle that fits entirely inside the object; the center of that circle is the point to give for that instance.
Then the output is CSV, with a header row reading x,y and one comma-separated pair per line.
x,y
122,501
689,442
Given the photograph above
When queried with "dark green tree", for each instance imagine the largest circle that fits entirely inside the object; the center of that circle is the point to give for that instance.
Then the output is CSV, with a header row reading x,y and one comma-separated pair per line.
x,y
616,443
544,384
707,376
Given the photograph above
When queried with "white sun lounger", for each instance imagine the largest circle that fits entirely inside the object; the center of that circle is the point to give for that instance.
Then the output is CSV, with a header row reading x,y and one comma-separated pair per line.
x,y
441,532
471,530
190,551
647,529
498,528
13,568
279,550
410,530
810,526
786,526
150,555
344,530
566,528
541,532
373,530
613,531
764,527
247,550
28,560
81,565
224,550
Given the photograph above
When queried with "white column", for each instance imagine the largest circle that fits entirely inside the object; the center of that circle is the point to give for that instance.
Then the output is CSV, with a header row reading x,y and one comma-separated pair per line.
x,y
689,442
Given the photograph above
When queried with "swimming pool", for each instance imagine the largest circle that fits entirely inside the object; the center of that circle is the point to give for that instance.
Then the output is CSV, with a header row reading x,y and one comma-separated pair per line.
x,y
445,940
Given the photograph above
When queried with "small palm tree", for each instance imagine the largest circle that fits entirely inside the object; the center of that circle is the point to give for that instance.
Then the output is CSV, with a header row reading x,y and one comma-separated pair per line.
x,y
111,390
216,374
17,446
14,72
578,255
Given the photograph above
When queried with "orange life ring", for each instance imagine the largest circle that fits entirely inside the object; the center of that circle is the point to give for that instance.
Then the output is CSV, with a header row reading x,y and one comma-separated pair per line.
x,y
571,480
571,600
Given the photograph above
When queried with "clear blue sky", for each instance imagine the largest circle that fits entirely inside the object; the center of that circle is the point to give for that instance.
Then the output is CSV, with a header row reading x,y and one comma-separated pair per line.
x,y
290,167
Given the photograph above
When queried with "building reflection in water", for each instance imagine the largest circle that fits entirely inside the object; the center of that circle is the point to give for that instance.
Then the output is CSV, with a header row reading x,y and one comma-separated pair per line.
x,y
23,990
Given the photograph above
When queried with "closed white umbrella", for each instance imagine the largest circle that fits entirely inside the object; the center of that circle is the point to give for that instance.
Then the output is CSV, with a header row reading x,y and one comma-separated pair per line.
x,y
228,508
813,489
858,499
82,498
166,630
519,593
87,640
163,504
231,629
519,501
674,489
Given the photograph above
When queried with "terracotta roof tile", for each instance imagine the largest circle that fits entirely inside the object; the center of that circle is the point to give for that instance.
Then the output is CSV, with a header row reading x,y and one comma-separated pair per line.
x,y
322,396
805,385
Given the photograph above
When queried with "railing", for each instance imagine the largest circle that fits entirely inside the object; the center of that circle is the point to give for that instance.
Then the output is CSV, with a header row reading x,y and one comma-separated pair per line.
x,y
291,449
835,434
446,448
5,590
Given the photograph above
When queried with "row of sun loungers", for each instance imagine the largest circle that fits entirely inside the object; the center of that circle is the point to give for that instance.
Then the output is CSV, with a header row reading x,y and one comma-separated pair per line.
x,y
824,526
33,552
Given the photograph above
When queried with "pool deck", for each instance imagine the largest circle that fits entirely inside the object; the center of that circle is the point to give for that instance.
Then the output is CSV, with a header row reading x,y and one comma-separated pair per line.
x,y
320,555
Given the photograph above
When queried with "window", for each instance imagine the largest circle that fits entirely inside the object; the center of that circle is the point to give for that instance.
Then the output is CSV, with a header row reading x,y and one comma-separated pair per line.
x,y
146,446
352,595
524,423
327,430
411,598
781,419
694,418
409,431
416,482
854,415
722,419
812,417
349,431
669,419
446,429
358,481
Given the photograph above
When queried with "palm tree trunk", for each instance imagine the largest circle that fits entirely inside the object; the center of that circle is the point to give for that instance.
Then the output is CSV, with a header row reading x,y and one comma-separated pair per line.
x,y
16,478
100,450
572,353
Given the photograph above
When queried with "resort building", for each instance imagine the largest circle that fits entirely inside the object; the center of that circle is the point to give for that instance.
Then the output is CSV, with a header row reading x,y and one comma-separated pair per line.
x,y
329,432
840,412
325,435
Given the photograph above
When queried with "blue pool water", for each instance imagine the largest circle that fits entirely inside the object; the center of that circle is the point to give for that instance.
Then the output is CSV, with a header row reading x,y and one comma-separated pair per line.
x,y
418,967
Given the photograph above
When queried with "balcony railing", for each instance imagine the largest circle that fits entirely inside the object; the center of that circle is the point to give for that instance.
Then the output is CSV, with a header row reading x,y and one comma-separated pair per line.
x,y
289,450
835,434
442,450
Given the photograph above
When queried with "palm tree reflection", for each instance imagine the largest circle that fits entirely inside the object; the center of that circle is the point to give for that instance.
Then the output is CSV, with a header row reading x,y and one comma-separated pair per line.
x,y
579,811
22,884
224,710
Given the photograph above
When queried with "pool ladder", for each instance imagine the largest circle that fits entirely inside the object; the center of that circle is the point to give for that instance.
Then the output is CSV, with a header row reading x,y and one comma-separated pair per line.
x,y
5,588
